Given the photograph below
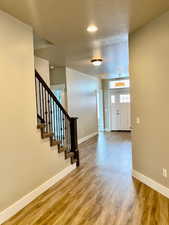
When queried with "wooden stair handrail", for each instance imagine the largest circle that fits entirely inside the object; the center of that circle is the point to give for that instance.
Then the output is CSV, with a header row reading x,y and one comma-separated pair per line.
x,y
51,94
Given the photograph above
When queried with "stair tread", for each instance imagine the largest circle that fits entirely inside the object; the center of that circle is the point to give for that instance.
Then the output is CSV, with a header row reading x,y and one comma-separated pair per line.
x,y
41,125
55,142
47,134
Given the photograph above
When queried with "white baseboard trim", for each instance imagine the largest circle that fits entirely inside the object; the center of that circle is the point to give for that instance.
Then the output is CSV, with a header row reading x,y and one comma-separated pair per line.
x,y
151,183
87,137
20,204
107,130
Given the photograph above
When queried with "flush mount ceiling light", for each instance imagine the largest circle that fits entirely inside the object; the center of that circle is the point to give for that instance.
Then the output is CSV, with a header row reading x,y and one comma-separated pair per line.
x,y
92,28
96,62
52,67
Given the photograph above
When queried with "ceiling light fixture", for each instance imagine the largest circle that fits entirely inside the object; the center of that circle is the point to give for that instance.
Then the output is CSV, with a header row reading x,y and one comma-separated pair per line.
x,y
92,28
96,62
52,67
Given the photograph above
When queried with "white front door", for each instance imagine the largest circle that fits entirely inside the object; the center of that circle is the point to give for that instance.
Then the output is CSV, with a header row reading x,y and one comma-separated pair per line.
x,y
120,112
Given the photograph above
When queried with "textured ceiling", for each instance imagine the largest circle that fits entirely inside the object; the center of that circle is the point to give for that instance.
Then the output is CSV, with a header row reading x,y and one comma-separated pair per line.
x,y
64,24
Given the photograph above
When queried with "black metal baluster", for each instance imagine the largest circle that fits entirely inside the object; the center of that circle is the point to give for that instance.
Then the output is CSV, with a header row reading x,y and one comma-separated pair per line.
x,y
59,124
43,110
40,112
46,116
36,94
53,118
49,108
67,136
61,114
65,131
63,127
48,105
51,122
55,106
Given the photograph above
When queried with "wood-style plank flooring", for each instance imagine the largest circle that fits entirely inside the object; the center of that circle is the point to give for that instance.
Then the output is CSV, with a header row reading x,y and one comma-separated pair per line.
x,y
100,192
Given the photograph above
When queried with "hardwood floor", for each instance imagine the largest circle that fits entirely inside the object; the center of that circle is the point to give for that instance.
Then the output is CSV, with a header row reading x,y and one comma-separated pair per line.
x,y
100,192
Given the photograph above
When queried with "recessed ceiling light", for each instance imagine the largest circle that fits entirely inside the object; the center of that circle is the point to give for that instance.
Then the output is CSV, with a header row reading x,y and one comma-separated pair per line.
x,y
92,28
96,62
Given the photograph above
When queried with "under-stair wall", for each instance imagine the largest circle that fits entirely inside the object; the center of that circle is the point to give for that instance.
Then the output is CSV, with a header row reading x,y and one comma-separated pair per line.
x,y
26,161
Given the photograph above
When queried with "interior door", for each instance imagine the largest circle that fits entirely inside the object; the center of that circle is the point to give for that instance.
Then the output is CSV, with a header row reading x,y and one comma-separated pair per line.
x,y
120,111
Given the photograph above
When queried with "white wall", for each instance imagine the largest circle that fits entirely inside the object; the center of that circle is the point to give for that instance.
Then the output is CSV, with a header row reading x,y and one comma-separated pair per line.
x,y
42,67
26,161
81,97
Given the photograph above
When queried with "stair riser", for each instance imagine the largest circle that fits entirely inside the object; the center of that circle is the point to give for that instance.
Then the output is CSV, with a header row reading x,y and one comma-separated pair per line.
x,y
69,155
53,143
46,135
61,150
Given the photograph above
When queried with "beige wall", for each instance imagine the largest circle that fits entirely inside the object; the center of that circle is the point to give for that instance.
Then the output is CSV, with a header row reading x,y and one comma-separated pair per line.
x,y
81,92
25,160
42,67
58,76
149,69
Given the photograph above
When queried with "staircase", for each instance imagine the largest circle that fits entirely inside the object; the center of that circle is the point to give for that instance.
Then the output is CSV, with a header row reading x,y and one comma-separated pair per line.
x,y
54,122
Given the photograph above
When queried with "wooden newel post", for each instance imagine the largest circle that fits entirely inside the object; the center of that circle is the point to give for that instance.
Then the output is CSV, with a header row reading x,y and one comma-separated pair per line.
x,y
74,139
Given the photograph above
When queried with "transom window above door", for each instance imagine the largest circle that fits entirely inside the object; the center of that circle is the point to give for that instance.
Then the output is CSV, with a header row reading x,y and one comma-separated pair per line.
x,y
119,84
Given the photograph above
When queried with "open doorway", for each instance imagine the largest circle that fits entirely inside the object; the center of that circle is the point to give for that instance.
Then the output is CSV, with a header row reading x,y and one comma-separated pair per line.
x,y
59,92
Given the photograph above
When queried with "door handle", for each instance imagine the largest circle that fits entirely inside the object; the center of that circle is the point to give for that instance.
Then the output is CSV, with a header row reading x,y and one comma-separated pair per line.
x,y
117,112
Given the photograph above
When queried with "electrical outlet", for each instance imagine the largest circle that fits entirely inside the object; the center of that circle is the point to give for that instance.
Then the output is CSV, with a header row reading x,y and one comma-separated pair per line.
x,y
138,120
164,172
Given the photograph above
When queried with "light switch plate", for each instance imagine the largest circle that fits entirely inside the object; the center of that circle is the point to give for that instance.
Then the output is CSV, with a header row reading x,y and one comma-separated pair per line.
x,y
164,172
138,120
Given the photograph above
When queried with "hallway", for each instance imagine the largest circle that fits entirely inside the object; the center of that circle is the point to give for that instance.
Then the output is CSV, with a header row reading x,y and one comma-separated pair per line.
x,y
100,192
